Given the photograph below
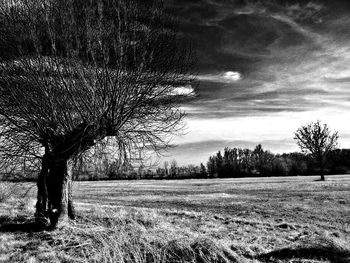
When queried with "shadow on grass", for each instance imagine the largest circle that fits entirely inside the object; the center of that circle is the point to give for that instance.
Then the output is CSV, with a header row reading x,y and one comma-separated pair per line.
x,y
320,180
333,255
19,224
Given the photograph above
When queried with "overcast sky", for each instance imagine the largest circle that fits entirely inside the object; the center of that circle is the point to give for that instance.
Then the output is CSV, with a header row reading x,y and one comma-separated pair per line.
x,y
265,68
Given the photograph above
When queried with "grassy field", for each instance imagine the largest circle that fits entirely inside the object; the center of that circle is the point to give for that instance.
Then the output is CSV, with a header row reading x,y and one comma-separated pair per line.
x,y
288,219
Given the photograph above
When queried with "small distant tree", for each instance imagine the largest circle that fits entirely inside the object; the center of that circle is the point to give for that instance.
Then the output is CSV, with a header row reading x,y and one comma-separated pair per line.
x,y
191,170
317,139
259,157
173,168
219,164
202,170
211,166
166,165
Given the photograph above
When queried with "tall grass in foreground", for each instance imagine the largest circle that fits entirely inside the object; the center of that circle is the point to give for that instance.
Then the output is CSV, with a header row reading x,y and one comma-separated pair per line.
x,y
136,235
139,236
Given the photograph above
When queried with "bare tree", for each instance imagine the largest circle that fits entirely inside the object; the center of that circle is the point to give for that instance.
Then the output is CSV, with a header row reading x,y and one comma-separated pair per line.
x,y
80,73
166,165
317,139
173,168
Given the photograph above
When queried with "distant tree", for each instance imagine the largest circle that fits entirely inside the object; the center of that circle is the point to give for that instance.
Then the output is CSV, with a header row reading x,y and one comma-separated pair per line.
x,y
160,172
76,73
191,171
234,162
247,163
211,166
166,165
219,163
259,157
280,167
173,168
297,162
202,170
229,162
317,139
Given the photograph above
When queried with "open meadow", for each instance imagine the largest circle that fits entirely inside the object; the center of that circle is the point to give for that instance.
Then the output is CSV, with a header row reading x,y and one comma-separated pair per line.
x,y
286,219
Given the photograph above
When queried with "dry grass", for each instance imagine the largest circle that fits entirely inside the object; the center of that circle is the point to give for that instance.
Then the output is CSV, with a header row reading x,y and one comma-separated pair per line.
x,y
119,235
271,220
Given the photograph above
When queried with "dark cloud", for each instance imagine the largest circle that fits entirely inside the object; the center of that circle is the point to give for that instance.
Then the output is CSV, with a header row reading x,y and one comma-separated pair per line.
x,y
338,80
231,34
285,58
252,35
268,44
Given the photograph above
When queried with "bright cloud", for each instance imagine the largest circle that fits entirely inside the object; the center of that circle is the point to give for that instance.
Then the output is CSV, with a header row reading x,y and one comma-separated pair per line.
x,y
185,91
232,76
224,77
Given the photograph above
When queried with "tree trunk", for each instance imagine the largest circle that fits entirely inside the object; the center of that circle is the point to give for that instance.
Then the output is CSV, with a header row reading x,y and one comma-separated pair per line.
x,y
71,209
322,170
55,202
42,205
322,173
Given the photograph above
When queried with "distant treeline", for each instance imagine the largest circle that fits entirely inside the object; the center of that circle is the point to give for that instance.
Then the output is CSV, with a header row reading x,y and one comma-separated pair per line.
x,y
238,162
230,163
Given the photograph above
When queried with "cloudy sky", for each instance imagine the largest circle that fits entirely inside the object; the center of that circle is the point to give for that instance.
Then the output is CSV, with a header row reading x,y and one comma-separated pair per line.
x,y
265,68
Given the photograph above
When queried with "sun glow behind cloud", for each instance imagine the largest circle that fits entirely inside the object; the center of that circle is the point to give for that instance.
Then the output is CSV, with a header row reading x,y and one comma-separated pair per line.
x,y
224,77
185,91
232,76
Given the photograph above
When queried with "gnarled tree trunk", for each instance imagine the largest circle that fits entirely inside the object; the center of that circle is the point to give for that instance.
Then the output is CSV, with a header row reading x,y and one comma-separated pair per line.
x,y
42,204
54,204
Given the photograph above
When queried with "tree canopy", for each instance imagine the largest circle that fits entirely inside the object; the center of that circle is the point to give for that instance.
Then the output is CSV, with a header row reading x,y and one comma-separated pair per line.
x,y
77,73
317,139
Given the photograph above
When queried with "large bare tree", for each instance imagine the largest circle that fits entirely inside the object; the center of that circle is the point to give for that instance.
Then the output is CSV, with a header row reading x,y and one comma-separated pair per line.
x,y
317,139
77,73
